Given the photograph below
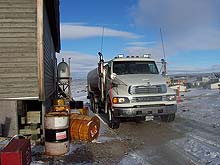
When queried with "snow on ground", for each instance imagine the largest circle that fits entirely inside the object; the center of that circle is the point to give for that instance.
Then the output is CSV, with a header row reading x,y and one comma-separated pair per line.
x,y
199,150
79,90
201,105
133,158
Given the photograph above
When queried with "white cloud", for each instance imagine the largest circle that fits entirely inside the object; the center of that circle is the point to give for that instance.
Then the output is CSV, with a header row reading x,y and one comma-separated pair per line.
x,y
177,15
79,62
155,51
216,67
136,51
78,31
198,39
141,43
186,25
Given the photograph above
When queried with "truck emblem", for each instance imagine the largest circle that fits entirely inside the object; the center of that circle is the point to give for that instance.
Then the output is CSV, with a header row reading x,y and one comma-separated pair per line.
x,y
148,84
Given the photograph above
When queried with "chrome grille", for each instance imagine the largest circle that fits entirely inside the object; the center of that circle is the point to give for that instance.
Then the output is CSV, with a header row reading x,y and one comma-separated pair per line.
x,y
146,89
146,99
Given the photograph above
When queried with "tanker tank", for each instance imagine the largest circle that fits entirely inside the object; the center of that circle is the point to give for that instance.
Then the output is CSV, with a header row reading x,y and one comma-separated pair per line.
x,y
93,81
63,72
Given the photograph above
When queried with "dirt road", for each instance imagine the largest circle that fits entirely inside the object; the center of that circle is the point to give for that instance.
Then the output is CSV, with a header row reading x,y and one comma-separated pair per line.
x,y
142,143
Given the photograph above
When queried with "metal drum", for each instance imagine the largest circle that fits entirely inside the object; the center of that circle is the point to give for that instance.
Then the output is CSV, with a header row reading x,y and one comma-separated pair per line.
x,y
56,133
84,128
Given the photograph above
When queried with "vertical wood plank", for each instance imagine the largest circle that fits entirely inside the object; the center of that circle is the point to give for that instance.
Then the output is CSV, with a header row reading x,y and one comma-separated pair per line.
x,y
40,50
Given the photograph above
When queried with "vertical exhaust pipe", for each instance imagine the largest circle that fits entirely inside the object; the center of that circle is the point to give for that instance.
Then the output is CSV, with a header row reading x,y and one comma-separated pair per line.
x,y
101,76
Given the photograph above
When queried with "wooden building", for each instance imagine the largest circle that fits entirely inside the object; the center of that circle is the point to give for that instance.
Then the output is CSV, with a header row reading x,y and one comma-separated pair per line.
x,y
29,40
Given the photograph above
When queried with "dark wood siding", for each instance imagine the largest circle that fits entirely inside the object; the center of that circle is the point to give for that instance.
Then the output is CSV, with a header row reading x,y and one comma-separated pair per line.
x,y
8,118
49,59
18,49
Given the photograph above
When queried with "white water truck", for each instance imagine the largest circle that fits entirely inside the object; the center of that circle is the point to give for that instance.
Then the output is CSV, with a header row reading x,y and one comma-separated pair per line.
x,y
130,87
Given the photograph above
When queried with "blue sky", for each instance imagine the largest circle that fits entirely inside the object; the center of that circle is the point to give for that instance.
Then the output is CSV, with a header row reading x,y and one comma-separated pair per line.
x,y
190,28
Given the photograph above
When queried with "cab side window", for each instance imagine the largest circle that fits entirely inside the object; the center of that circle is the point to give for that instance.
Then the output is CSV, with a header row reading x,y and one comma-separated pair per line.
x,y
108,69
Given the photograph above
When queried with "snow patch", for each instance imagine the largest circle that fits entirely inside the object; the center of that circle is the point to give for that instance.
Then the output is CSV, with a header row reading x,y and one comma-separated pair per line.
x,y
133,158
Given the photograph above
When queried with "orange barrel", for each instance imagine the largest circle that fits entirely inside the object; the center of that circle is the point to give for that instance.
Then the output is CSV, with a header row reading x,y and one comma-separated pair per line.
x,y
56,133
84,111
84,128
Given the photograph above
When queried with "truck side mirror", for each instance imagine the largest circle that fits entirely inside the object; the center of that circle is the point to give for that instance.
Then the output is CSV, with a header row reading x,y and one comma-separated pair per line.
x,y
113,76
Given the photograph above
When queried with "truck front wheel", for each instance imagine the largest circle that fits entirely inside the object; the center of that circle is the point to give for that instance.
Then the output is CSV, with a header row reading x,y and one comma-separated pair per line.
x,y
113,122
168,118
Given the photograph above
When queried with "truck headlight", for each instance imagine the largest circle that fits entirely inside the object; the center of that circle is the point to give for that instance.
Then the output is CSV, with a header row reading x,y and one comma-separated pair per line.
x,y
120,100
171,97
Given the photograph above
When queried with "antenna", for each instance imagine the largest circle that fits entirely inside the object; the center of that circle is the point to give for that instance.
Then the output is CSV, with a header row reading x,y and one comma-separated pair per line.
x,y
103,28
161,36
164,56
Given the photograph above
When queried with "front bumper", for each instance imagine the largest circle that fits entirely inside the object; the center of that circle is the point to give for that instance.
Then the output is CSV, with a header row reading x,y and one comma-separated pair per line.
x,y
151,110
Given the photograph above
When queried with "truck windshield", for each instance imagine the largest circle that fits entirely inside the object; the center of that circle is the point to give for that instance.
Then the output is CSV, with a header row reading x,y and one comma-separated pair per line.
x,y
134,67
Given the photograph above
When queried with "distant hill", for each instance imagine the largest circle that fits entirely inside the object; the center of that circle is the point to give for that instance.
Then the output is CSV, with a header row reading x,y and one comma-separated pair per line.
x,y
217,74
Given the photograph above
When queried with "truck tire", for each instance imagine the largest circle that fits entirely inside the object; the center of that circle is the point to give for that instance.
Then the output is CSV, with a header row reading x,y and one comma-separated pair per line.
x,y
168,118
92,102
113,122
94,106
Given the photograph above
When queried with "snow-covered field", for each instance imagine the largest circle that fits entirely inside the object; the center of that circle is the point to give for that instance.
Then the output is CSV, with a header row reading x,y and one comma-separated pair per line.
x,y
201,110
202,105
79,90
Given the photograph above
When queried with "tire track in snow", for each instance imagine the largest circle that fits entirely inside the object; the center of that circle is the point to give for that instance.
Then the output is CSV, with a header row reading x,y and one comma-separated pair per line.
x,y
200,150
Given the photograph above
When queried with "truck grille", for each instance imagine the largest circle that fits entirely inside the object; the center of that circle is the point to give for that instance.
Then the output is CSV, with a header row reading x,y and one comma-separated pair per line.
x,y
146,99
147,89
